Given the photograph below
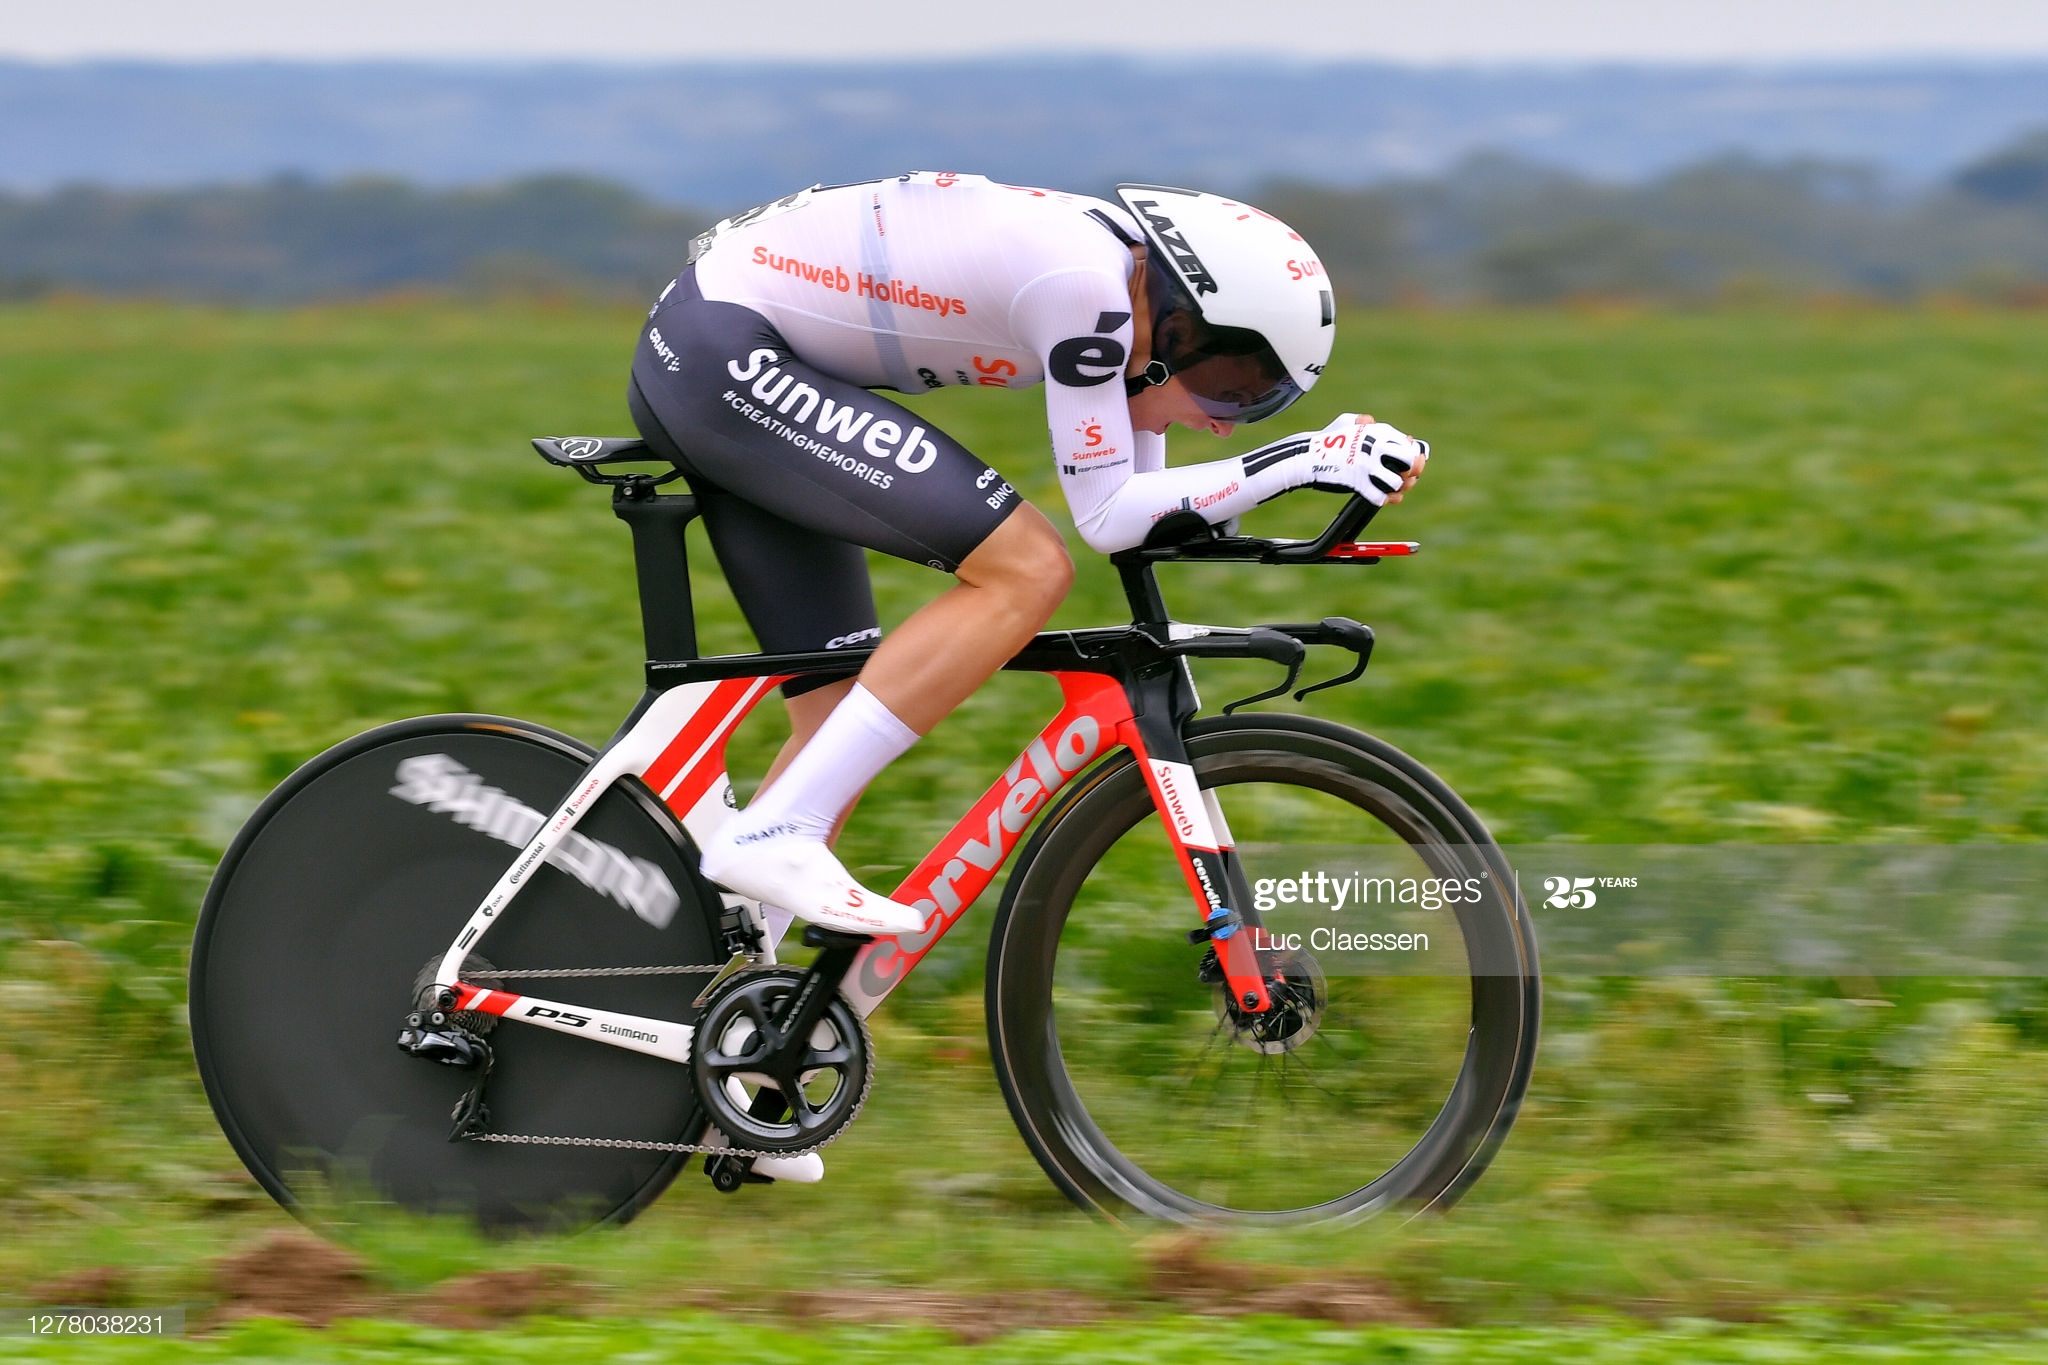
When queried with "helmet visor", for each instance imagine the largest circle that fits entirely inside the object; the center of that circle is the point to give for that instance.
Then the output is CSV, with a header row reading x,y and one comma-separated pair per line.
x,y
1236,388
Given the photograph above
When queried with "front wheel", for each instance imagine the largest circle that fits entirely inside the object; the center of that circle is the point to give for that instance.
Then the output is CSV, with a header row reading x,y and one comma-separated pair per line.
x,y
1403,967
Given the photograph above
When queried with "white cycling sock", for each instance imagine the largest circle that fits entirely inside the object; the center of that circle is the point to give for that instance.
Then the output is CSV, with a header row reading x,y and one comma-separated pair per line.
x,y
774,851
859,739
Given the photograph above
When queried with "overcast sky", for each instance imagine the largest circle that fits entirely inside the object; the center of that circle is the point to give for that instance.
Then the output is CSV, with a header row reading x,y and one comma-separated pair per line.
x,y
672,30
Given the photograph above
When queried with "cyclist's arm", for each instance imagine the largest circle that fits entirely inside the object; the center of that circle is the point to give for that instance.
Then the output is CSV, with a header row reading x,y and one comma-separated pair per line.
x,y
1115,479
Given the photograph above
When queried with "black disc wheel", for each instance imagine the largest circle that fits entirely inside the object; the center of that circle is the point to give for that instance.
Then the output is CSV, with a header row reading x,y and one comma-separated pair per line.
x,y
349,882
1400,961
768,1093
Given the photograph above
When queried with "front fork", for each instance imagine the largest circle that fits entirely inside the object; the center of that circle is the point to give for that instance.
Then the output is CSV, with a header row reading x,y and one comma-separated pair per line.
x,y
1162,701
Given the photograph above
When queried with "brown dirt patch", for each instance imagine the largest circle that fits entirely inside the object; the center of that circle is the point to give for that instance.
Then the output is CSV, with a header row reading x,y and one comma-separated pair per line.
x,y
296,1276
1182,1270
103,1286
293,1275
495,1296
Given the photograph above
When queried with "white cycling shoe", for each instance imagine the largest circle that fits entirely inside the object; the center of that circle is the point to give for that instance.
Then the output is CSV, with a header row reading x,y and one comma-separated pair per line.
x,y
807,1169
780,866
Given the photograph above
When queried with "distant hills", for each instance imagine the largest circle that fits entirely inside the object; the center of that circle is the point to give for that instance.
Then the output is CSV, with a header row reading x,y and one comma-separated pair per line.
x,y
1492,228
290,239
725,136
280,182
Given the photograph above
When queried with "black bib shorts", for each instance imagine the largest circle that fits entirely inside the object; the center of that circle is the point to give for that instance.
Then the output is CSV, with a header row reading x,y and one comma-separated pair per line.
x,y
795,471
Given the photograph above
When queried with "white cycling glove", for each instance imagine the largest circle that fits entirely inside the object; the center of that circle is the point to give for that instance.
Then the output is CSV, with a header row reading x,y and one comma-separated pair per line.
x,y
1347,456
1354,456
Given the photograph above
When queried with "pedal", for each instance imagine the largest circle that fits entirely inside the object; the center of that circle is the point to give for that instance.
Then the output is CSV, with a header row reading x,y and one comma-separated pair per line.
x,y
435,1037
728,1173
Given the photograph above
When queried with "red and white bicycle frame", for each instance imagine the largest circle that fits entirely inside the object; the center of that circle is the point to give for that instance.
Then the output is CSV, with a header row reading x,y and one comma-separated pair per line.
x,y
677,747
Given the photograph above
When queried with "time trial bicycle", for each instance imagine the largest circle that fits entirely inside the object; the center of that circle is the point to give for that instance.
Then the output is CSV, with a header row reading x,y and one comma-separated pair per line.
x,y
1162,1047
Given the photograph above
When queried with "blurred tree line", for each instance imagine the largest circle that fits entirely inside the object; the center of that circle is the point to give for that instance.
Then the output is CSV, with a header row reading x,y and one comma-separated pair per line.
x,y
1492,229
1499,230
290,239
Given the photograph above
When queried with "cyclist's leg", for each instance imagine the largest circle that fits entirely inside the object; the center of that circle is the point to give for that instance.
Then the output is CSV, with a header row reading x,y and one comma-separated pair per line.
x,y
777,433
1009,588
780,435
764,558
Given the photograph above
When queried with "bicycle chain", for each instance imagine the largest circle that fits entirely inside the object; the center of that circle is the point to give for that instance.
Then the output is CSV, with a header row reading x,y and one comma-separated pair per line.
x,y
626,1144
530,973
632,1144
635,1144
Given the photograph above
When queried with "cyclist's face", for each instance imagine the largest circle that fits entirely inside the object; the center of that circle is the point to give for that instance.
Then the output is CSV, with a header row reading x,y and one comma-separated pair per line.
x,y
1164,405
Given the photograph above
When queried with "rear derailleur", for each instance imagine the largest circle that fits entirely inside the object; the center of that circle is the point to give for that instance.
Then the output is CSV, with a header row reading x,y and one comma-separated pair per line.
x,y
438,1035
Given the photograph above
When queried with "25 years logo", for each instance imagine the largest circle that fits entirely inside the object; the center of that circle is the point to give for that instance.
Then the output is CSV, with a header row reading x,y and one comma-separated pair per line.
x,y
1574,893
1577,893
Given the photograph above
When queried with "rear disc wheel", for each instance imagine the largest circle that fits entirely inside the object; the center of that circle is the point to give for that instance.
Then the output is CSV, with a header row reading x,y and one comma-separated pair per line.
x,y
363,866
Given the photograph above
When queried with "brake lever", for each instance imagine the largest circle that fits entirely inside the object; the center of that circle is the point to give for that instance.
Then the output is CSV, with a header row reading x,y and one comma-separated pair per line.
x,y
1260,642
1264,648
1345,633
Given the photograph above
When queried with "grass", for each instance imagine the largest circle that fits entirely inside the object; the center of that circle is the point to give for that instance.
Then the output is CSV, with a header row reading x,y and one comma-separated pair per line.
x,y
1686,578
1163,1340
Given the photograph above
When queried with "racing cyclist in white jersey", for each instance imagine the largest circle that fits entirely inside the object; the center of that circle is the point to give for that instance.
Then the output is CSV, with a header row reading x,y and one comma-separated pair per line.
x,y
756,373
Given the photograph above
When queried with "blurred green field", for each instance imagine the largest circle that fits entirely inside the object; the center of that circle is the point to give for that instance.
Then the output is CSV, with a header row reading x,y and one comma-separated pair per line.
x,y
1687,578
1163,1341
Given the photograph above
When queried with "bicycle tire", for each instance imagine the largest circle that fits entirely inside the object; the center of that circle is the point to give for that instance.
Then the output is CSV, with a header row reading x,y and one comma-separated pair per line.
x,y
1067,1088
342,886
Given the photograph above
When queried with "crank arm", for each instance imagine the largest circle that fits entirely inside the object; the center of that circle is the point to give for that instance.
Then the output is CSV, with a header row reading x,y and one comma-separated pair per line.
x,y
828,969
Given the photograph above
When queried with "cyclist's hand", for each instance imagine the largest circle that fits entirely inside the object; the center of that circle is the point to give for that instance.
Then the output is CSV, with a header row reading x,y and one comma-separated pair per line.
x,y
1355,454
1418,458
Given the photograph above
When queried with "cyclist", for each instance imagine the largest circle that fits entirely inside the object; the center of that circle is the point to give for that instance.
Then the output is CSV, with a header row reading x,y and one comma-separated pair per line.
x,y
755,373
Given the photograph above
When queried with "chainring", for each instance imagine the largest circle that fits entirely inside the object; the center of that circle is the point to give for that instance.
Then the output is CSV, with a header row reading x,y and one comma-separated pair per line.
x,y
768,1098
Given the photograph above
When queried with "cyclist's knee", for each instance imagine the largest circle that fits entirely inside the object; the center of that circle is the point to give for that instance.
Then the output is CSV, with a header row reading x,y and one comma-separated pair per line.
x,y
1023,558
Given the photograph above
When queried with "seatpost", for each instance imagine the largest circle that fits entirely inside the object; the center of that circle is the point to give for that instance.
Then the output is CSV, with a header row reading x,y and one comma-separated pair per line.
x,y
1141,589
661,562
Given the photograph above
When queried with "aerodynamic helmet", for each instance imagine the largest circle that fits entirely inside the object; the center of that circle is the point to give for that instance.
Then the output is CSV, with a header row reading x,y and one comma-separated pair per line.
x,y
1241,309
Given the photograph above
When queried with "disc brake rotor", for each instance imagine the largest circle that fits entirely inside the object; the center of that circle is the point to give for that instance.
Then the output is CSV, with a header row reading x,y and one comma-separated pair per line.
x,y
1299,992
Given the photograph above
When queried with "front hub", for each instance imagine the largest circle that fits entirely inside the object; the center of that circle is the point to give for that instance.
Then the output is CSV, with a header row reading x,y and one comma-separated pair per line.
x,y
1299,993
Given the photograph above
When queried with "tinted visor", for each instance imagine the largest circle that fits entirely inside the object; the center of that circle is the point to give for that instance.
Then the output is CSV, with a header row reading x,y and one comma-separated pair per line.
x,y
1236,387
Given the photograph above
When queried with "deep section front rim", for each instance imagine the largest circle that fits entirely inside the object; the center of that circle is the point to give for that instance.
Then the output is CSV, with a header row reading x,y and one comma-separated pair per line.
x,y
1108,1048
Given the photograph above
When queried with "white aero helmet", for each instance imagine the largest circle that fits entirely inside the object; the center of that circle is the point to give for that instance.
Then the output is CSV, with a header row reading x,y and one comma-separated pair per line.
x,y
1256,318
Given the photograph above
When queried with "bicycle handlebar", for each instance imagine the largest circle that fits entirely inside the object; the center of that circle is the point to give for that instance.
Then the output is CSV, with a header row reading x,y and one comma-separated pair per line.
x,y
1186,536
1259,642
1355,516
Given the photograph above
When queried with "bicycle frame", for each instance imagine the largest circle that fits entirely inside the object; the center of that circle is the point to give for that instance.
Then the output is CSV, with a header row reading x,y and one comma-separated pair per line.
x,y
1125,686
677,747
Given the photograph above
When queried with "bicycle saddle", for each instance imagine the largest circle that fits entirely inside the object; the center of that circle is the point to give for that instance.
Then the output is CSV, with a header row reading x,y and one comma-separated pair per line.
x,y
571,451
